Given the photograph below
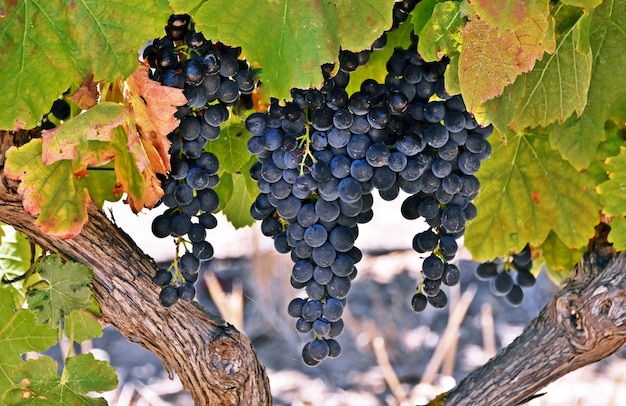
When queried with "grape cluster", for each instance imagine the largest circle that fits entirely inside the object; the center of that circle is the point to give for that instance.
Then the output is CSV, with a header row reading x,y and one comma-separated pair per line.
x,y
323,153
320,156
498,273
213,80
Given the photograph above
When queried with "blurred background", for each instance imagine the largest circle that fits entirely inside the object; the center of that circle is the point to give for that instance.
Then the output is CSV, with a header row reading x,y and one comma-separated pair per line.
x,y
391,355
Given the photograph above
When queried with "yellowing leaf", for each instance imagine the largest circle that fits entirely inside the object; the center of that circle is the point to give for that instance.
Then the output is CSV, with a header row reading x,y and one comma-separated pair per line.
x,y
491,60
153,107
49,192
96,124
558,256
526,191
613,191
617,235
583,3
555,88
135,176
37,379
505,14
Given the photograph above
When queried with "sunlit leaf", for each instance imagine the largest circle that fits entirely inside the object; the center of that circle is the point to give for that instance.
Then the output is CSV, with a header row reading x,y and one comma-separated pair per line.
x,y
37,381
70,139
491,59
558,256
298,37
153,107
555,88
504,14
527,189
53,44
443,31
578,138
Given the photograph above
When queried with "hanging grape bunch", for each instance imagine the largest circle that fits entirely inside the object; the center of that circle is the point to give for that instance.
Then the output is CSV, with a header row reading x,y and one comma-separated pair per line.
x,y
213,80
323,153
499,275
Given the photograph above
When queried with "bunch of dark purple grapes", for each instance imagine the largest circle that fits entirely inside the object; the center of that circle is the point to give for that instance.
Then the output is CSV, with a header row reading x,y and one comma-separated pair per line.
x,y
213,80
323,153
499,275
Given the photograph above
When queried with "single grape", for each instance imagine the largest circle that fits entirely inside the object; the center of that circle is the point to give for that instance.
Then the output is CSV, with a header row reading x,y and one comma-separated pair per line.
x,y
439,301
501,284
334,348
515,297
318,349
162,277
486,270
294,308
432,267
186,291
419,302
168,296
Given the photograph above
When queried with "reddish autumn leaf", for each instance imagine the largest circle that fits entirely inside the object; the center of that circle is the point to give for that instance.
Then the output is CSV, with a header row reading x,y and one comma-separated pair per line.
x,y
86,96
504,14
153,107
50,192
149,163
492,59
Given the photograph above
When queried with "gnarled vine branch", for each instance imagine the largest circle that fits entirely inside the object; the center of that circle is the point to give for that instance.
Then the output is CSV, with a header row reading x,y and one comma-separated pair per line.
x,y
584,323
214,361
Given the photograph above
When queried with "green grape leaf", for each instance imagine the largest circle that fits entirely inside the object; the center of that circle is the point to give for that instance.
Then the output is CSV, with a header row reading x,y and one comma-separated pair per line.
x,y
15,253
613,191
231,148
556,87
617,235
451,75
101,182
37,381
443,31
298,37
66,289
491,59
49,192
50,46
557,276
241,193
527,189
506,14
582,3
224,189
19,333
578,138
422,12
81,326
557,255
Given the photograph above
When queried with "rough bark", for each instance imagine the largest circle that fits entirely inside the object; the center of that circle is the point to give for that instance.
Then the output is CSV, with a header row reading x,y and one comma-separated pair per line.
x,y
215,362
584,323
